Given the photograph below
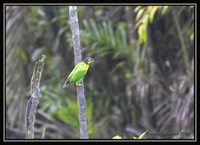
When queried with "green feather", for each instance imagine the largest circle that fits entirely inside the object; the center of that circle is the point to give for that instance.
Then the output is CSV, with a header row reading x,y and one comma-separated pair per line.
x,y
77,74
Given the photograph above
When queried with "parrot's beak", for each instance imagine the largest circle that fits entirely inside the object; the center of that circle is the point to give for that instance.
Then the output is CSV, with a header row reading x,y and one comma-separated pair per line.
x,y
88,60
91,62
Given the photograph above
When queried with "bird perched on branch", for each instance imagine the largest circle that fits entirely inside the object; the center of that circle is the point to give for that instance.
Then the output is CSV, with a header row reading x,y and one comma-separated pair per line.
x,y
79,71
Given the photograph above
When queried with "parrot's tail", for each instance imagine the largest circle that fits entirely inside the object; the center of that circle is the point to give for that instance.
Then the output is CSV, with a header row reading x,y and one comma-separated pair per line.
x,y
66,84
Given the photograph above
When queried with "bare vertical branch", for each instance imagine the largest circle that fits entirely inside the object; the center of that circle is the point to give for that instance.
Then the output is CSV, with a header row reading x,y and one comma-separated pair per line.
x,y
33,102
78,58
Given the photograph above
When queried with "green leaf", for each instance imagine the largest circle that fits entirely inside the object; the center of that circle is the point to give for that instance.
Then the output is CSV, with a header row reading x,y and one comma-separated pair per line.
x,y
142,33
21,54
95,29
61,31
120,64
152,13
128,75
117,137
106,33
135,137
111,33
85,23
141,136
145,23
164,10
139,14
140,29
123,38
137,8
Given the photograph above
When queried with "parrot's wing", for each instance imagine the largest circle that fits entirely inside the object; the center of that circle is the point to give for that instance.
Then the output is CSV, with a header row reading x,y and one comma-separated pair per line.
x,y
79,73
74,70
72,73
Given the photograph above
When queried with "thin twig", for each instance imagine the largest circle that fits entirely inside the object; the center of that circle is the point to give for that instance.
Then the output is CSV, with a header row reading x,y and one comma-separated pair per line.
x,y
78,58
33,102
180,34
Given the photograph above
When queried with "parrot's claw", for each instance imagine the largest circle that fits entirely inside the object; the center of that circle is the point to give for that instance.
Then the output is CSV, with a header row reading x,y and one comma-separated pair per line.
x,y
79,85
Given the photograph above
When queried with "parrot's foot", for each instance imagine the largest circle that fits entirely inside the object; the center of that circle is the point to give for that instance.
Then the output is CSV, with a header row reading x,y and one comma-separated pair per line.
x,y
79,85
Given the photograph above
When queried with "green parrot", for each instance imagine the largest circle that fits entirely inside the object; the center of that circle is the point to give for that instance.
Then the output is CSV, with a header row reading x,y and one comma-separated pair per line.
x,y
79,71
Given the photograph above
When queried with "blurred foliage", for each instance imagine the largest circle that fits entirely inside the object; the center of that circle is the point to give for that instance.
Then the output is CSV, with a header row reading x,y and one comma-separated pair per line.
x,y
69,115
136,83
141,136
145,15
117,137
